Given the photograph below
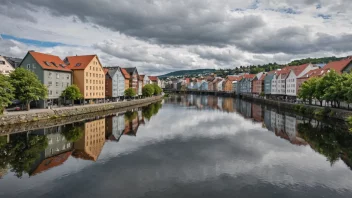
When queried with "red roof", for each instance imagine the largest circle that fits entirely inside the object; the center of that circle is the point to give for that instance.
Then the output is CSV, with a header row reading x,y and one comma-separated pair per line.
x,y
106,71
250,76
299,69
234,78
262,77
125,73
338,66
49,62
51,162
315,73
153,78
79,62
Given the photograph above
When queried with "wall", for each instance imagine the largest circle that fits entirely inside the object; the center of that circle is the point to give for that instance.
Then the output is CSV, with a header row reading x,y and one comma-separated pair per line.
x,y
69,112
5,67
59,81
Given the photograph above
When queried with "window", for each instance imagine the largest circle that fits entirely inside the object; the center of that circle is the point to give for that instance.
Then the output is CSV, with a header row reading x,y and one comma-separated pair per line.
x,y
57,84
86,87
50,92
28,66
57,92
33,65
68,77
50,83
68,84
87,74
90,67
86,80
57,76
62,85
90,81
47,63
90,74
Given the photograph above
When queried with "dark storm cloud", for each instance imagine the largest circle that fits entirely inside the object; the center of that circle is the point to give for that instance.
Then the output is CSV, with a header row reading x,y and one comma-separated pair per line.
x,y
295,40
167,22
225,56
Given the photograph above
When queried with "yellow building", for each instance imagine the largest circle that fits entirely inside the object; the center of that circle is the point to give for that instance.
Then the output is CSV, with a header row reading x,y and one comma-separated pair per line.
x,y
88,75
91,144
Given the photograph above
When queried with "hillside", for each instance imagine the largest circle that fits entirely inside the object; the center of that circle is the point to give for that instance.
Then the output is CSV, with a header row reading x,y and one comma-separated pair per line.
x,y
188,72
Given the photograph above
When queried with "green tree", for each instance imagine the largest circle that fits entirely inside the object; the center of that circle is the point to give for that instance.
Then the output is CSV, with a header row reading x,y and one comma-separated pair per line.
x,y
131,115
22,151
148,90
27,86
308,89
73,134
6,92
332,86
130,92
157,89
72,93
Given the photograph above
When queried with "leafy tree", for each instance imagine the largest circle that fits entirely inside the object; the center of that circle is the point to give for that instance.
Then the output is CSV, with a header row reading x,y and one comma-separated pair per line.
x,y
22,151
157,89
130,92
148,90
73,134
27,86
6,92
308,89
332,84
72,93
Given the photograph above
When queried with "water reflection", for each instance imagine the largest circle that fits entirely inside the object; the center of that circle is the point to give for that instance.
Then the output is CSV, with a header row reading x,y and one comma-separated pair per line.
x,y
37,151
329,139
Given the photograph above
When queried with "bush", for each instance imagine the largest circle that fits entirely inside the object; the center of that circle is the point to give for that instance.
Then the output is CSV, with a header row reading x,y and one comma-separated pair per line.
x,y
148,90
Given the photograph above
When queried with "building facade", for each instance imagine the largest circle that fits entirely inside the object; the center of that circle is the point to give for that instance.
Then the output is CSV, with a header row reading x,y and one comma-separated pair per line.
x,y
117,88
5,67
52,72
89,76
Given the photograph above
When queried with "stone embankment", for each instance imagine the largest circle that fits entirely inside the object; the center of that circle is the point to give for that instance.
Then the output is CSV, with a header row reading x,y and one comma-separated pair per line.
x,y
306,110
75,113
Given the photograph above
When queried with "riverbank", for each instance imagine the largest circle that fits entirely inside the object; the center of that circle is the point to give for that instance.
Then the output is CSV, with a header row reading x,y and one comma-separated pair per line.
x,y
68,112
306,110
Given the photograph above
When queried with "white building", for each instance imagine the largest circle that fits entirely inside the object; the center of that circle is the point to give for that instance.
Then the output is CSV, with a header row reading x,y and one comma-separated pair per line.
x,y
291,80
5,66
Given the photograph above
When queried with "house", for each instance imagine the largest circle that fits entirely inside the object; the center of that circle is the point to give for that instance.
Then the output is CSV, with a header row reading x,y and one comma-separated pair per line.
x,y
155,80
229,81
114,127
5,67
258,82
14,62
313,73
92,142
210,85
116,78
245,84
52,72
281,82
127,78
220,84
134,78
341,66
268,82
88,75
291,80
204,86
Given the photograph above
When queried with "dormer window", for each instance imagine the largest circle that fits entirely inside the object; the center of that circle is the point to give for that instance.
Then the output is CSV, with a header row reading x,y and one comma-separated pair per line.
x,y
54,64
2,62
78,64
47,63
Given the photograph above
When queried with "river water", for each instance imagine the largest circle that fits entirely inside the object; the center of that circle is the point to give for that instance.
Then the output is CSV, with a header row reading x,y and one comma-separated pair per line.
x,y
185,146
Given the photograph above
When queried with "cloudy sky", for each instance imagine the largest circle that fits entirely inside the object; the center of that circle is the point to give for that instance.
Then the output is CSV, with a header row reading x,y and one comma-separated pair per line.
x,y
159,36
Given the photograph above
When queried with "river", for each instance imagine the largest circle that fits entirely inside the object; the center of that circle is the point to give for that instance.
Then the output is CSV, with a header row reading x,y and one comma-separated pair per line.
x,y
185,146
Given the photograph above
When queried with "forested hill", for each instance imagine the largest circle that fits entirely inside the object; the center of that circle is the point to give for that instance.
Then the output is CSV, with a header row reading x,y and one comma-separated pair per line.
x,y
253,69
188,72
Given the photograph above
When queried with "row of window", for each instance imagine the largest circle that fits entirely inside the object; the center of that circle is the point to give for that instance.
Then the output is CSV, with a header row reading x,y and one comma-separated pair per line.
x,y
97,94
57,84
94,75
94,88
95,81
58,76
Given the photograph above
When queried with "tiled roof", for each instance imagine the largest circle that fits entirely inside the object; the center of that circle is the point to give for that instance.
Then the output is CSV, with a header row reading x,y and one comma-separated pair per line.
x,y
51,162
79,62
49,62
338,66
106,71
250,76
262,77
153,78
234,78
299,69
125,73
315,73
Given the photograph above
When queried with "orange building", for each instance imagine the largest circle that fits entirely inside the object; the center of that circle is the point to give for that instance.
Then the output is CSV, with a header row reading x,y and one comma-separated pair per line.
x,y
91,144
88,75
127,77
228,85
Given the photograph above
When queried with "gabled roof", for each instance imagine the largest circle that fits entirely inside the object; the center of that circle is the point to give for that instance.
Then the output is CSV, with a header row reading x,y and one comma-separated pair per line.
x,y
338,66
105,71
125,73
262,77
51,162
112,70
141,77
49,62
131,70
315,73
79,62
153,78
248,76
234,78
299,69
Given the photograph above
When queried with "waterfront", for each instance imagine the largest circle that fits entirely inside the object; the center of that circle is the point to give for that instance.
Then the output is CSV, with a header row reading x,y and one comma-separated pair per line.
x,y
189,146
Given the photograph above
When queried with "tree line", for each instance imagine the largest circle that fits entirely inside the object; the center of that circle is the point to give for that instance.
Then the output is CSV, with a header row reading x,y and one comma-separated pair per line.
x,y
332,87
